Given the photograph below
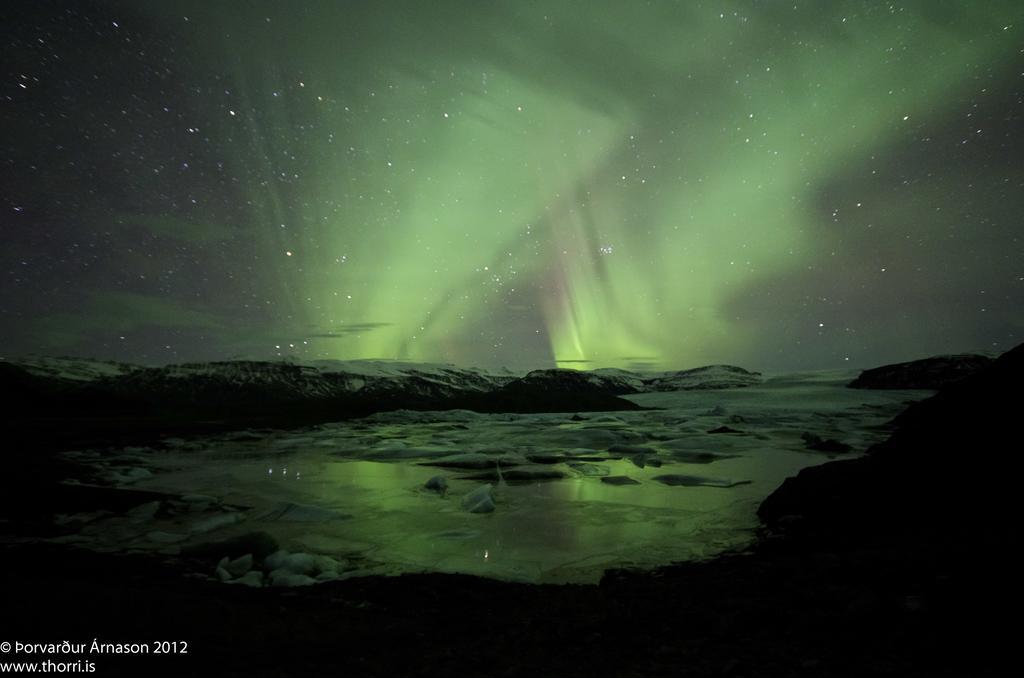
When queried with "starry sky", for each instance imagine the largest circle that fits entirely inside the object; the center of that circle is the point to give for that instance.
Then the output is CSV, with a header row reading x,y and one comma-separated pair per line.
x,y
592,183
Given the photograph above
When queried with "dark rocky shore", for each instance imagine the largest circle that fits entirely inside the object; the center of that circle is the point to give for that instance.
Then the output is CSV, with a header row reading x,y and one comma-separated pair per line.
x,y
895,564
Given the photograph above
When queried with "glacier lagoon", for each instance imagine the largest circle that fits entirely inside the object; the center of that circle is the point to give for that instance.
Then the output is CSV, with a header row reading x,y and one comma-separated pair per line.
x,y
698,464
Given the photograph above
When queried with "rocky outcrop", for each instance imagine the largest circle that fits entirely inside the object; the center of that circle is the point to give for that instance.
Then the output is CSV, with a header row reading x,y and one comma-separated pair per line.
x,y
929,373
948,469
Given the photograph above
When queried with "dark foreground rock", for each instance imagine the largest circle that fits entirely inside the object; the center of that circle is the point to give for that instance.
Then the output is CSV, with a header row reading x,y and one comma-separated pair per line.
x,y
861,612
950,464
929,373
942,491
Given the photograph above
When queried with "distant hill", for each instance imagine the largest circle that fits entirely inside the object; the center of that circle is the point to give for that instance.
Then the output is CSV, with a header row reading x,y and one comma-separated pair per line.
x,y
115,397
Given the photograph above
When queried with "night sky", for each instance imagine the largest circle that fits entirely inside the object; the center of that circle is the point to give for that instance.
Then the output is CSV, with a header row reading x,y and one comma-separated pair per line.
x,y
779,185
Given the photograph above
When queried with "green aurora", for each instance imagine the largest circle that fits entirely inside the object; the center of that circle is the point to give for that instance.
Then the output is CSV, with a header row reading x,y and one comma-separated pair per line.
x,y
590,183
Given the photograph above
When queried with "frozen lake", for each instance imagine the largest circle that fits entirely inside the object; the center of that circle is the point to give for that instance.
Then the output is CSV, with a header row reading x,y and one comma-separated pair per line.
x,y
355,491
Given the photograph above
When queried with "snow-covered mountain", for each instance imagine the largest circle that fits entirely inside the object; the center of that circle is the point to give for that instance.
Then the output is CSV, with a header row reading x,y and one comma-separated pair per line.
x,y
623,382
708,377
330,377
330,389
322,379
290,381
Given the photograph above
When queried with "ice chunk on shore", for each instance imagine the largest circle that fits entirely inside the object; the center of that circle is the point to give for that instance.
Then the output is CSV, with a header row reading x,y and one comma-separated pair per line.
x,y
301,513
216,522
698,481
285,577
479,500
438,484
